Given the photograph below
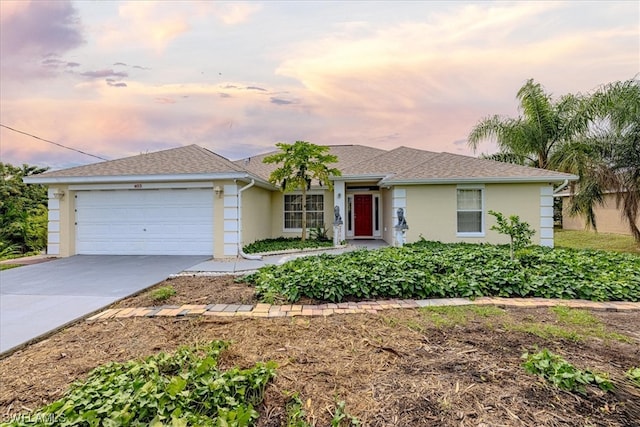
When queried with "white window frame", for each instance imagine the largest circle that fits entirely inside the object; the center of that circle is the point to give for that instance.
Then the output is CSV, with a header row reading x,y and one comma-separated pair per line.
x,y
297,193
349,216
482,231
377,210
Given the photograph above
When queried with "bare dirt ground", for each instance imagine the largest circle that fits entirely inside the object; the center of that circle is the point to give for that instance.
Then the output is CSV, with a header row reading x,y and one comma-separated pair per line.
x,y
396,368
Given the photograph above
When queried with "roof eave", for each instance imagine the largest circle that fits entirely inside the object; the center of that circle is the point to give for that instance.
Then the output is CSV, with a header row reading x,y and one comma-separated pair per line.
x,y
35,179
476,180
358,177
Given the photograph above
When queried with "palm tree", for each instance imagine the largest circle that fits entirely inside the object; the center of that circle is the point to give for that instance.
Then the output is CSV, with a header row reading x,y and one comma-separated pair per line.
x,y
531,137
607,155
302,162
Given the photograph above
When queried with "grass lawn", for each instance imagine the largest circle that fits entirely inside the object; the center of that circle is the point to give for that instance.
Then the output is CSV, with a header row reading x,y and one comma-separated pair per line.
x,y
578,239
8,266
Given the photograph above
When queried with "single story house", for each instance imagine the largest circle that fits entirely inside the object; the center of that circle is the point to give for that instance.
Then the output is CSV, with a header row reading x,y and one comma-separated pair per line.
x,y
189,200
609,217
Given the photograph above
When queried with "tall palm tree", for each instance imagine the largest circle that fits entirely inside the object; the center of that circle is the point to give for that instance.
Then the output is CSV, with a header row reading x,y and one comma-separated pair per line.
x,y
607,154
531,137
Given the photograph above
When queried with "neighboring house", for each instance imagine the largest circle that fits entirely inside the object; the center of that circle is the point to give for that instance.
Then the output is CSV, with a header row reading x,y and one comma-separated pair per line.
x,y
189,200
609,218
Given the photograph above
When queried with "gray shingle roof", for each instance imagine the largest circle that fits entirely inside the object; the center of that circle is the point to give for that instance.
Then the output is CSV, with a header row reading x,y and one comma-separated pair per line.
x,y
400,165
389,162
191,159
348,155
455,167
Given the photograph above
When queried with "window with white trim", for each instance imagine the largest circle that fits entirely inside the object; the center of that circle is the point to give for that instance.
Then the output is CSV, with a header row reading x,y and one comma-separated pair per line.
x,y
469,211
293,211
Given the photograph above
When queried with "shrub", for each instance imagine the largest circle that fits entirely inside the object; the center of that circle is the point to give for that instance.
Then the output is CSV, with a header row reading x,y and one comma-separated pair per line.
x,y
319,233
284,243
519,232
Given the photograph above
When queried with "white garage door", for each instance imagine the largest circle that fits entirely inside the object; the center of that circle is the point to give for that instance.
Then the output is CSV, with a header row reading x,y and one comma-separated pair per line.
x,y
145,222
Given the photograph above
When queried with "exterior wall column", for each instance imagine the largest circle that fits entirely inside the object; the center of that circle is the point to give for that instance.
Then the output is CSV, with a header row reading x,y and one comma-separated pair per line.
x,y
53,226
546,216
231,218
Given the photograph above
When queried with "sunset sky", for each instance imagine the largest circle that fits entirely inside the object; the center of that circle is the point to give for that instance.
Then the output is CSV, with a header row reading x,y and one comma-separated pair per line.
x,y
121,78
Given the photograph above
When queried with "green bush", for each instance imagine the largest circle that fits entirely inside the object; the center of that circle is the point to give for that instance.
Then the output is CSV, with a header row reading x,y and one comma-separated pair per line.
x,y
285,243
185,388
437,270
23,211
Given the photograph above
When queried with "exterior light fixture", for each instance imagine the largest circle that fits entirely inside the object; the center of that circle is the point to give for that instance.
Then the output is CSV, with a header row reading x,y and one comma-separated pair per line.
x,y
58,194
218,190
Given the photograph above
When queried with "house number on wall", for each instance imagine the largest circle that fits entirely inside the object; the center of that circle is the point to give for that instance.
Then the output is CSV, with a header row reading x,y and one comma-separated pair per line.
x,y
137,185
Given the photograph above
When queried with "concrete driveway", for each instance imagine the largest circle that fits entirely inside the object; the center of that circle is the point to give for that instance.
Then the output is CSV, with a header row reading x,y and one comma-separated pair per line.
x,y
37,299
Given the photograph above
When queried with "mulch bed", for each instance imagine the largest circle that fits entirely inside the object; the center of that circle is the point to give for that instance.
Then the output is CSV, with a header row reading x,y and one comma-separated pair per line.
x,y
396,368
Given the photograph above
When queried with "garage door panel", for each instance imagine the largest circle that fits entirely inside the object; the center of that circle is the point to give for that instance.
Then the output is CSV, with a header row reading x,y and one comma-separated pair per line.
x,y
145,222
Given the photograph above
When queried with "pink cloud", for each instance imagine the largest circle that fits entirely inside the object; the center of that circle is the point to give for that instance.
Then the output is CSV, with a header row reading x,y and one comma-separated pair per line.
x,y
32,30
149,23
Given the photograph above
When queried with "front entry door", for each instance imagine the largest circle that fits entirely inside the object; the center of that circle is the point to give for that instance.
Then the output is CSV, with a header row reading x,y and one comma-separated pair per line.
x,y
363,214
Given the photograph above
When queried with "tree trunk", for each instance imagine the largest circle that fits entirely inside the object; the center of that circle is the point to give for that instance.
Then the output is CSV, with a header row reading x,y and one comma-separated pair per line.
x,y
631,219
511,251
304,213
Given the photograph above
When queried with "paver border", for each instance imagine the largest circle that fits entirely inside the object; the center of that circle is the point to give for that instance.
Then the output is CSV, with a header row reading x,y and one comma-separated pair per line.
x,y
372,307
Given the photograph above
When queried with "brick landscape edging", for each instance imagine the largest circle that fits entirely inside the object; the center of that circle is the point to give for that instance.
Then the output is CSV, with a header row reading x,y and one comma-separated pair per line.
x,y
373,307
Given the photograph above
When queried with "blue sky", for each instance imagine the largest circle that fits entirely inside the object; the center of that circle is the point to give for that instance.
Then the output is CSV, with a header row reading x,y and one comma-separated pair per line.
x,y
121,78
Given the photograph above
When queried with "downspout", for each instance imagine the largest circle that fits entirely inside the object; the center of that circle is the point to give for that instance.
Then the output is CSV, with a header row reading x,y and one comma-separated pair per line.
x,y
240,252
562,187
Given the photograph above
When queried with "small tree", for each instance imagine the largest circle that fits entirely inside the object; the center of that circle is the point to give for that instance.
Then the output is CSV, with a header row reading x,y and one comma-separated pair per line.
x,y
300,163
518,231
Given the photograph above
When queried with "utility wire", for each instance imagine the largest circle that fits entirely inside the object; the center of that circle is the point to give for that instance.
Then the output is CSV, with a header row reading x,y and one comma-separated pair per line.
x,y
51,142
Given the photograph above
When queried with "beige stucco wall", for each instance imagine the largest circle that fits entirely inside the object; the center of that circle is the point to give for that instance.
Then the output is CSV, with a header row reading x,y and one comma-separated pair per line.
x,y
608,217
277,213
256,215
513,199
431,211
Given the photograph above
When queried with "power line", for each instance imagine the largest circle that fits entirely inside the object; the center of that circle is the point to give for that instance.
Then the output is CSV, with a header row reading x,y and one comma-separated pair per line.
x,y
51,142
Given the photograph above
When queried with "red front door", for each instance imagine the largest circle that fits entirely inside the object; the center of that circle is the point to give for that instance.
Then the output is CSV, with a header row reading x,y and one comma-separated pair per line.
x,y
362,214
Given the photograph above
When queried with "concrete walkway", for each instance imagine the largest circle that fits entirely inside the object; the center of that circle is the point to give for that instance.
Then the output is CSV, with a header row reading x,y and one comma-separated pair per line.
x,y
241,265
372,307
37,299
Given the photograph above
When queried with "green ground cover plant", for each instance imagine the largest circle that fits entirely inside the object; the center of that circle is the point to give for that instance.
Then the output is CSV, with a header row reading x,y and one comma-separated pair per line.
x,y
562,374
285,243
163,293
437,270
634,375
180,389
297,416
